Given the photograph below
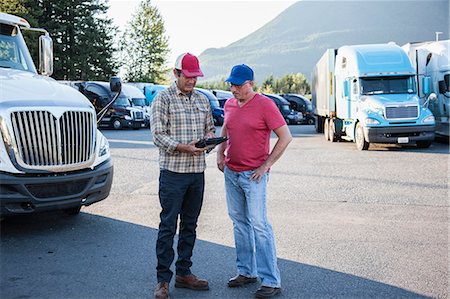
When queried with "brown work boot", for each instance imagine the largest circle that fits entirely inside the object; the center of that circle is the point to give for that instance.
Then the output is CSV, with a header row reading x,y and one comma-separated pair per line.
x,y
240,280
162,290
191,282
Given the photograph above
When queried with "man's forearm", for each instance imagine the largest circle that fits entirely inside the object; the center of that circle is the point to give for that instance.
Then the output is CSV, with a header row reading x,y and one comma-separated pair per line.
x,y
284,138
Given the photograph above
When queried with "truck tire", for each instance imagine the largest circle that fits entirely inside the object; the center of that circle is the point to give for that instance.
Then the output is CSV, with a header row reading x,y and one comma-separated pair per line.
x,y
361,143
319,124
331,130
326,129
423,143
116,124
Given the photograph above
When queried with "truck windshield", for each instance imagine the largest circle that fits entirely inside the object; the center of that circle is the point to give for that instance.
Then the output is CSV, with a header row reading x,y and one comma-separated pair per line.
x,y
122,101
388,85
13,51
138,102
285,107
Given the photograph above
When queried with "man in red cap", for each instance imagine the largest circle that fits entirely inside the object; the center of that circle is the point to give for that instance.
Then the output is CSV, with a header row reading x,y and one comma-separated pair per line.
x,y
180,116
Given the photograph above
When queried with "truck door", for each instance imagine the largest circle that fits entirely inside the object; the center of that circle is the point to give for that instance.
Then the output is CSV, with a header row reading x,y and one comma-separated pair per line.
x,y
348,107
353,98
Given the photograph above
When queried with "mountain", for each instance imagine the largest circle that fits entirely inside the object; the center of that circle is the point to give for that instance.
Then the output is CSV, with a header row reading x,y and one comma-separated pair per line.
x,y
295,40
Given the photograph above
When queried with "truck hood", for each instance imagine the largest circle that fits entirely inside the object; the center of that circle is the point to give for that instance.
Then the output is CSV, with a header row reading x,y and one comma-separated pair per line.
x,y
26,89
388,100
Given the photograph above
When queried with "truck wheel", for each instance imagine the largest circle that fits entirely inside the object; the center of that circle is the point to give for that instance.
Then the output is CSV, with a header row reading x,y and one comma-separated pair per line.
x,y
331,130
117,124
319,124
361,143
423,144
73,211
326,129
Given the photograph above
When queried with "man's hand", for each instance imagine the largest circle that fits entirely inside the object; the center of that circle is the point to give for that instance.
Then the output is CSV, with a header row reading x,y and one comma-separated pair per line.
x,y
210,135
259,173
220,161
191,148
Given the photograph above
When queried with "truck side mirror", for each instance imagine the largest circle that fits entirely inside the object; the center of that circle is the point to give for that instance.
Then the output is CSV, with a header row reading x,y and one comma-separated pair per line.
x,y
426,83
431,98
115,84
346,88
45,55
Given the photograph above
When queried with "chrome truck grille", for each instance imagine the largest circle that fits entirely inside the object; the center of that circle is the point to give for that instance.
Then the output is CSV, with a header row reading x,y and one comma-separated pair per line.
x,y
138,115
43,141
405,112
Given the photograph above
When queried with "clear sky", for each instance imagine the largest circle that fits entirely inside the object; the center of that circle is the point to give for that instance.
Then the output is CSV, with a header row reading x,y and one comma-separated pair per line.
x,y
194,26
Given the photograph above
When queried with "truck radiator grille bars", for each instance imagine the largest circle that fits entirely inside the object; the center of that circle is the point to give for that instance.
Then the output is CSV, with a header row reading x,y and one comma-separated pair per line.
x,y
405,112
138,115
45,142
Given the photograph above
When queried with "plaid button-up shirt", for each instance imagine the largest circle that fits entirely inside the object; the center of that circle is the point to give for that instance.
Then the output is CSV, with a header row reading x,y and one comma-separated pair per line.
x,y
177,118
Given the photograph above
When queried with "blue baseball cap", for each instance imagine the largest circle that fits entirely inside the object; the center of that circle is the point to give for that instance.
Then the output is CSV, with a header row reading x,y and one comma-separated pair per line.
x,y
239,74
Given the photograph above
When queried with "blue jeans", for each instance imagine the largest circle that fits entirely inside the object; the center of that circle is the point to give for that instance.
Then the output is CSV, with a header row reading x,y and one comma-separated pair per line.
x,y
180,194
253,234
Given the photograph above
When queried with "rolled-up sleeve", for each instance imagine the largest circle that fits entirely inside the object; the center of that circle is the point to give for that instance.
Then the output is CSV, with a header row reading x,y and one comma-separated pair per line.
x,y
209,123
159,124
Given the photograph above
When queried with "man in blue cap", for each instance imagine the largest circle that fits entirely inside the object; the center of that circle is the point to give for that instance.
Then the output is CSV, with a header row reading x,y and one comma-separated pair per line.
x,y
245,160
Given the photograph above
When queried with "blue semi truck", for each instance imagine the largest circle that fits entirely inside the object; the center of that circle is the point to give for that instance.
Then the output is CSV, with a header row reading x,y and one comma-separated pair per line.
x,y
367,94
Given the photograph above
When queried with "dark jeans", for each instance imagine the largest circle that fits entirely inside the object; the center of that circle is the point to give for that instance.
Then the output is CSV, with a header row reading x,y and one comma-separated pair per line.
x,y
179,194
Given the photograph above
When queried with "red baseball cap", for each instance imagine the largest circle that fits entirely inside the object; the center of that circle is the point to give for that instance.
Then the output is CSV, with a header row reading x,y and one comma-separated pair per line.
x,y
189,65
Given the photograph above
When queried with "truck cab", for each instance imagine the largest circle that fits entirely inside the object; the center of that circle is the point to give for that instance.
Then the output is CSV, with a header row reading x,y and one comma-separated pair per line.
x,y
290,116
367,94
52,157
121,114
431,62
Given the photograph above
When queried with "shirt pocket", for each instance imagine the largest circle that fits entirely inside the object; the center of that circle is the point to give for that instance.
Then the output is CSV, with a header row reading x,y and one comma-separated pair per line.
x,y
177,114
201,111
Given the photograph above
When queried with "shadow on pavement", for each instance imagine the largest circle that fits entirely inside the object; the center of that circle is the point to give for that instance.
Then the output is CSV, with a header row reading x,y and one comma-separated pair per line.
x,y
88,256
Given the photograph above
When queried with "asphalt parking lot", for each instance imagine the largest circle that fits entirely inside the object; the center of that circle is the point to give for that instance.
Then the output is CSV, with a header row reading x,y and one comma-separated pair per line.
x,y
348,224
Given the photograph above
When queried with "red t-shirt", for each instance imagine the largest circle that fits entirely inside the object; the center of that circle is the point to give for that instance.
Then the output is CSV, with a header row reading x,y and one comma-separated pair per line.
x,y
249,128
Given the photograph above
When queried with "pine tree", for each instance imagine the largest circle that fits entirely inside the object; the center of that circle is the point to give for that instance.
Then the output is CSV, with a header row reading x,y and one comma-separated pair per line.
x,y
144,46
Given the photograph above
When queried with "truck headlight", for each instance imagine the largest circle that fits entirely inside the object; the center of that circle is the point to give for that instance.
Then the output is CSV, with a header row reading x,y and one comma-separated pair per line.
x,y
4,131
127,117
104,146
371,121
429,119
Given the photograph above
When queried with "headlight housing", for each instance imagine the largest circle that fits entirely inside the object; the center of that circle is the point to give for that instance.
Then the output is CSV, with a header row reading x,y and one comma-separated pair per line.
x,y
104,146
371,121
429,119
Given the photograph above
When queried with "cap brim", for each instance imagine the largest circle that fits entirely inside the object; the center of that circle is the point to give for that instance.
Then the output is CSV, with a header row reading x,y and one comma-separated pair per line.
x,y
192,74
236,81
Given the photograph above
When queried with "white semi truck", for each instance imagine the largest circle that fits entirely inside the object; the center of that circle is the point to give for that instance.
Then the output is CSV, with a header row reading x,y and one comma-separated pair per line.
x,y
431,62
52,157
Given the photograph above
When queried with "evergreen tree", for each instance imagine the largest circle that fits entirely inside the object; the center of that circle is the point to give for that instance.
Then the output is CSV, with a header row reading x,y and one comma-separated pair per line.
x,y
14,7
145,47
82,37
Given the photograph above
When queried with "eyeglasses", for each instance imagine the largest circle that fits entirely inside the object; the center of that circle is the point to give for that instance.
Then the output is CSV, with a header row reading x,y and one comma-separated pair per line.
x,y
180,74
237,85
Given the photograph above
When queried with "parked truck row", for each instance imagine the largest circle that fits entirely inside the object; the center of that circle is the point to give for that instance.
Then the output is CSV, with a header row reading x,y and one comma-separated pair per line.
x,y
368,94
129,110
